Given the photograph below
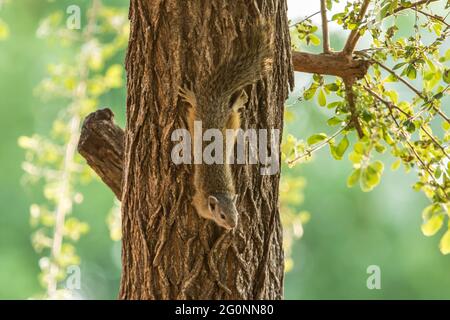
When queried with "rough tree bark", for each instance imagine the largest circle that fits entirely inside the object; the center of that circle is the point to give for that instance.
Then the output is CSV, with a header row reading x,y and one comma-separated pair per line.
x,y
101,144
333,64
168,252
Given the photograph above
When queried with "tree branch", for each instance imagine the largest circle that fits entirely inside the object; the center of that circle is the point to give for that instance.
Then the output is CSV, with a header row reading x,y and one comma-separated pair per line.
x,y
326,40
332,64
102,145
304,19
354,35
318,146
413,5
433,17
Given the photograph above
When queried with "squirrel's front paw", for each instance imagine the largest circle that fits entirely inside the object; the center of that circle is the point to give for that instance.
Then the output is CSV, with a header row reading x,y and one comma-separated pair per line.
x,y
240,102
188,96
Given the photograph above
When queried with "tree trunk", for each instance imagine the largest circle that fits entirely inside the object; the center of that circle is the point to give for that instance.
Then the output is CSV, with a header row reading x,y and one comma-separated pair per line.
x,y
168,251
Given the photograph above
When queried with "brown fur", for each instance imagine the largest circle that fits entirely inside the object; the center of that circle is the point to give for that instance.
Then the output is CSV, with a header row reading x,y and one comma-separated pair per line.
x,y
211,104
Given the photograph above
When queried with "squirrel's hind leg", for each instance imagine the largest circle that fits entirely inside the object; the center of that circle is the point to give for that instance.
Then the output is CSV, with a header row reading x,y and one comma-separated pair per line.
x,y
240,102
234,119
188,96
234,123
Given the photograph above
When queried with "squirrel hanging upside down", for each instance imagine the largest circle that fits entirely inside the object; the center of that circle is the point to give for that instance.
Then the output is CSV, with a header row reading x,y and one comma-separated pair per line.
x,y
217,101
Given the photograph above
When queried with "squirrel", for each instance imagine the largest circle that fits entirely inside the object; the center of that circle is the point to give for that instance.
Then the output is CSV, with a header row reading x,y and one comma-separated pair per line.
x,y
217,102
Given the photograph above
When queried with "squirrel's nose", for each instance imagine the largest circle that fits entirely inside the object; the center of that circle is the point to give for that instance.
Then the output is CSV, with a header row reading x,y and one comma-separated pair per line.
x,y
233,222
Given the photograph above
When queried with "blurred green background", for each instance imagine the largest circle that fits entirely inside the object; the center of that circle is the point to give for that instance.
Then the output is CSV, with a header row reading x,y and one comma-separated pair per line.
x,y
349,230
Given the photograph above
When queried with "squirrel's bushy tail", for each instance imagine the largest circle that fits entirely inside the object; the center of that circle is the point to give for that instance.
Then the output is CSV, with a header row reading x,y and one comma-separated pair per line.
x,y
245,65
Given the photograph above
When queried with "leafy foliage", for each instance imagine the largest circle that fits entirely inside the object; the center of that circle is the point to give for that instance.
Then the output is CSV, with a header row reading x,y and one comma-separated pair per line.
x,y
77,83
412,128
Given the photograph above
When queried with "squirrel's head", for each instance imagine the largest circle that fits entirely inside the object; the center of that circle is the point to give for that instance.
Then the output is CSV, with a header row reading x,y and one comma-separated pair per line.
x,y
222,207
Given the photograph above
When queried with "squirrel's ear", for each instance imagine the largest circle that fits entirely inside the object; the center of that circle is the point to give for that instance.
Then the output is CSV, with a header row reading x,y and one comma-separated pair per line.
x,y
235,198
212,203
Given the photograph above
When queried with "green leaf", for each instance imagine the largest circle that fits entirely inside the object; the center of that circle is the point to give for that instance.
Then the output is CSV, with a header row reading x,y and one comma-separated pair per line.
x,y
387,137
378,166
371,176
411,72
314,39
322,99
429,211
410,126
445,125
340,149
367,116
432,225
352,26
315,138
334,104
437,27
393,95
353,178
359,148
447,55
338,16
438,172
399,65
366,181
396,164
332,87
380,148
444,245
309,94
317,77
446,76
391,78
354,157
384,11
438,96
393,5
428,76
335,121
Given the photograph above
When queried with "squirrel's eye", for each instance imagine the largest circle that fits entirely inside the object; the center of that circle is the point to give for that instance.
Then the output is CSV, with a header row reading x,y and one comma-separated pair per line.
x,y
222,216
